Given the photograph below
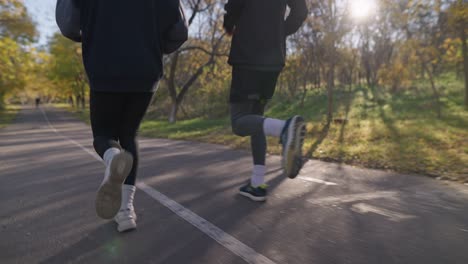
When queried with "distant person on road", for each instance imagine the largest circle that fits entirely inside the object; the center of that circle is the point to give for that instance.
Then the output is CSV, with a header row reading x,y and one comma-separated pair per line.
x,y
38,102
123,44
258,51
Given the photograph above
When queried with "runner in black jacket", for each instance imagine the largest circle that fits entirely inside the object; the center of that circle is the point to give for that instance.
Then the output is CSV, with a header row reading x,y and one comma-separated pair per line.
x,y
122,53
258,52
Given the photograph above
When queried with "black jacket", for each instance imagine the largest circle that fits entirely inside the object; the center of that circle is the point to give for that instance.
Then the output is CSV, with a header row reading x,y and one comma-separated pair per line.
x,y
260,31
122,49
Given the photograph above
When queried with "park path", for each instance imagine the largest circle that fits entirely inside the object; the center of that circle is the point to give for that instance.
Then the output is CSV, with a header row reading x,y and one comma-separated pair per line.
x,y
189,211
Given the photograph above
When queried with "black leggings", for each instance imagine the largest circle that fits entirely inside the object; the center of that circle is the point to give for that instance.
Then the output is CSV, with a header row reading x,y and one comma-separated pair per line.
x,y
247,120
115,119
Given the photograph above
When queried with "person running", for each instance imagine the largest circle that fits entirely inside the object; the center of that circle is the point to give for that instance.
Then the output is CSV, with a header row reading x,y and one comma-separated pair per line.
x,y
38,102
122,54
258,49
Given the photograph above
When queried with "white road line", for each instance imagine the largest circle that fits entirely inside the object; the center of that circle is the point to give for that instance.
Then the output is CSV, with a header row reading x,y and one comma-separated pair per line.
x,y
331,200
92,153
363,208
310,179
228,241
223,238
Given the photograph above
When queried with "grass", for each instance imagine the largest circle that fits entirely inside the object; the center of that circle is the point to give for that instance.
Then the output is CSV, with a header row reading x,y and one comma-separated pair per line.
x,y
400,132
7,115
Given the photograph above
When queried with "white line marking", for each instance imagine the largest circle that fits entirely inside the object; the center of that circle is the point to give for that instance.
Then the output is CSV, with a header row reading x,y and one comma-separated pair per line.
x,y
228,241
331,200
363,208
224,239
92,153
310,179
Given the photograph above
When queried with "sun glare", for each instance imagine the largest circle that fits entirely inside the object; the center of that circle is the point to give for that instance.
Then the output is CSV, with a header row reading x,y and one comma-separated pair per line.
x,y
361,9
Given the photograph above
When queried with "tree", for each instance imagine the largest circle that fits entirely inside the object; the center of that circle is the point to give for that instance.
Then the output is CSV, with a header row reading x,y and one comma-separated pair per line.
x,y
332,25
13,64
66,68
207,44
458,21
16,31
15,22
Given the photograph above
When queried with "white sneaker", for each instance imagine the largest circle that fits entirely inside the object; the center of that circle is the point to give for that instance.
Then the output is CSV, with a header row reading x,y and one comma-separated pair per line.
x,y
109,195
126,217
292,139
126,220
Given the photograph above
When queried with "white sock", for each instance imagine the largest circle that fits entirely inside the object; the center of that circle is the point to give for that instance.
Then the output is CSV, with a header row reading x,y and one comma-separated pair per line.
x,y
273,127
258,175
128,194
109,154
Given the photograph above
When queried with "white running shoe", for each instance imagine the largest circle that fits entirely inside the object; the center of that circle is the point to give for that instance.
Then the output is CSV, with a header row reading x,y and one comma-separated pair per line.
x,y
126,217
292,139
126,220
109,195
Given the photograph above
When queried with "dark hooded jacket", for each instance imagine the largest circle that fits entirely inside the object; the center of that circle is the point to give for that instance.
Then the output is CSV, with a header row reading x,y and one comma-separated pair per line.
x,y
259,31
122,49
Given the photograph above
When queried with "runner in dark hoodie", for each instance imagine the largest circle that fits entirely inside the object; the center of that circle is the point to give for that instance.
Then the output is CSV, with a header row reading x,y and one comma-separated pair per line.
x,y
122,53
258,51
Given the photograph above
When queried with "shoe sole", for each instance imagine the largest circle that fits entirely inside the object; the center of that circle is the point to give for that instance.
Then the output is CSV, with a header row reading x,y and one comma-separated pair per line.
x,y
299,144
253,198
292,154
109,195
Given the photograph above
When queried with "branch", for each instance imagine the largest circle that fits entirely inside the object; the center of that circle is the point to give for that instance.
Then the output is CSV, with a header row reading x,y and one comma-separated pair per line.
x,y
204,50
195,11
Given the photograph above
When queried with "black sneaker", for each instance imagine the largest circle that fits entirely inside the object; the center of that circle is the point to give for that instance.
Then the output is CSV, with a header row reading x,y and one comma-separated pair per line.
x,y
292,139
255,194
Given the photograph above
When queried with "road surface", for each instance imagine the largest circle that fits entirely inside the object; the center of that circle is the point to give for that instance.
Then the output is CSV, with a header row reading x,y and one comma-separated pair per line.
x,y
189,211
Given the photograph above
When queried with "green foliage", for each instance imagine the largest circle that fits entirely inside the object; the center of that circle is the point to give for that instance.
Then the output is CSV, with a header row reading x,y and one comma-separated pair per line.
x,y
66,69
17,57
458,15
15,22
384,79
15,63
7,115
398,131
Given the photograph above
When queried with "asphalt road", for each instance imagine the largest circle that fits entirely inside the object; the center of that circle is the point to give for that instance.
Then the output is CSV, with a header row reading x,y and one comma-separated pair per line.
x,y
189,211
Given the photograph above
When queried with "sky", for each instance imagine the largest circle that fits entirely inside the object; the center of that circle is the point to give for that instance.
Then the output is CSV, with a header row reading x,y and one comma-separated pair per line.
x,y
43,13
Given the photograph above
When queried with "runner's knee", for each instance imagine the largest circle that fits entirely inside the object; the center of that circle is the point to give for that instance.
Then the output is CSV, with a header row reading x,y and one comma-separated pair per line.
x,y
237,128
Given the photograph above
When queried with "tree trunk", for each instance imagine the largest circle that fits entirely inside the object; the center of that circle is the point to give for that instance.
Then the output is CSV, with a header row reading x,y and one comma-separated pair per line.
x,y
78,101
304,87
172,88
465,63
174,110
319,79
2,98
178,98
368,76
330,84
436,93
304,94
83,98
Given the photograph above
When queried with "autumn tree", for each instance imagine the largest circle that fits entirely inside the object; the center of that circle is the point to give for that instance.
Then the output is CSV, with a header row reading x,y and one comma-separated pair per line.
x,y
205,43
458,21
331,24
66,68
15,22
16,32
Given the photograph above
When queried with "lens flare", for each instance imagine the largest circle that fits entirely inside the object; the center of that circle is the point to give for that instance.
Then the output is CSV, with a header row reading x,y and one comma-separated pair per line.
x,y
361,9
